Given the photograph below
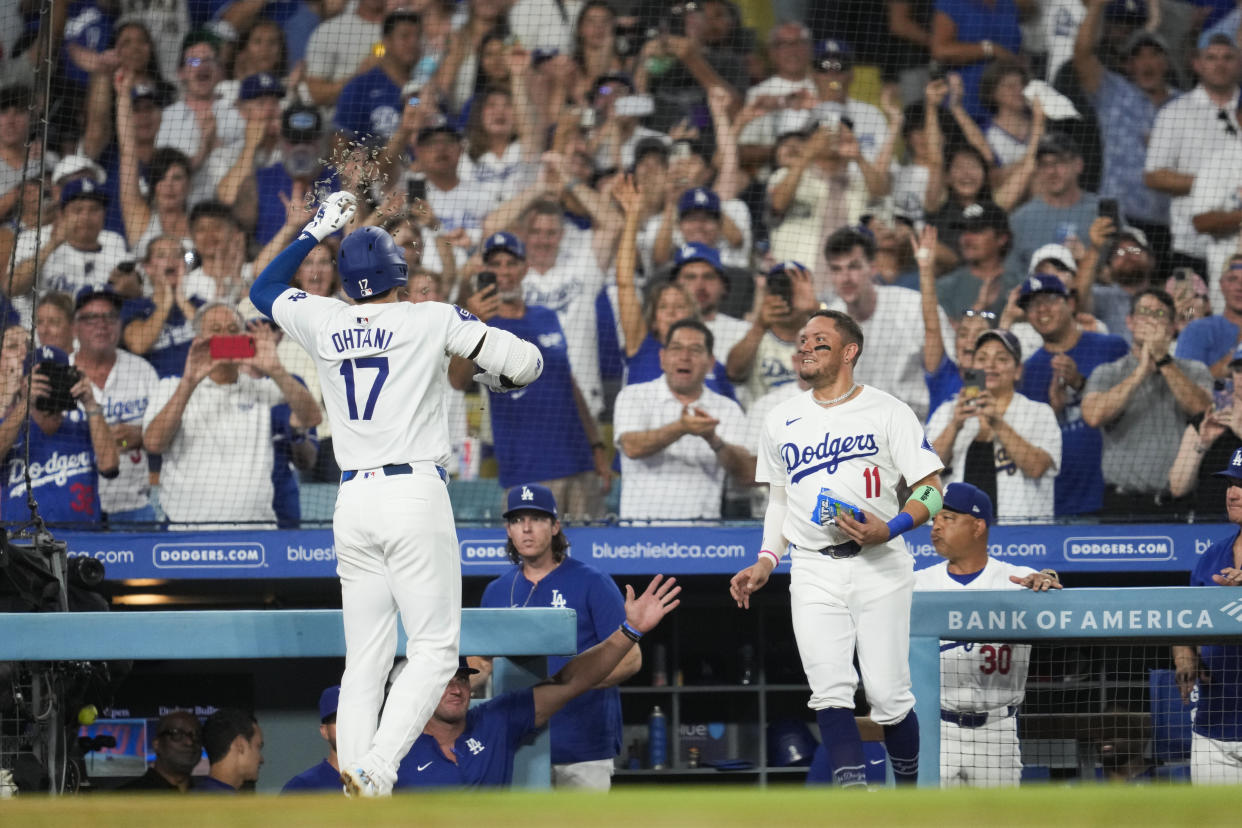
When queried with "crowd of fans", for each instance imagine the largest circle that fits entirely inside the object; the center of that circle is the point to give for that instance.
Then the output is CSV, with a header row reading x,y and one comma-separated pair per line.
x,y
1031,208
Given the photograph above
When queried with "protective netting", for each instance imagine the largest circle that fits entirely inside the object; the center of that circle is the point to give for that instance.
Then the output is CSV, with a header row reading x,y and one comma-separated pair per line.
x,y
1018,713
1033,167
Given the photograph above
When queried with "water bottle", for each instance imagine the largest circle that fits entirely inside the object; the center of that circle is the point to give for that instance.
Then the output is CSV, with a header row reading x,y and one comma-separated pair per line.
x,y
657,739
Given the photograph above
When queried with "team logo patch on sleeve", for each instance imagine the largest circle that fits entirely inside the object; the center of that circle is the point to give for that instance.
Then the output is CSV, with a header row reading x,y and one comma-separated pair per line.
x,y
301,294
465,314
927,444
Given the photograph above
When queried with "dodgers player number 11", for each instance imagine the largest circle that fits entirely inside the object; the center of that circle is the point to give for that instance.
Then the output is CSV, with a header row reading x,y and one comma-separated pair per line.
x,y
381,365
834,458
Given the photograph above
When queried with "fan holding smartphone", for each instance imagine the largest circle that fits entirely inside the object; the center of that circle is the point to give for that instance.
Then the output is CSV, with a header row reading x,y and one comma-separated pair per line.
x,y
213,424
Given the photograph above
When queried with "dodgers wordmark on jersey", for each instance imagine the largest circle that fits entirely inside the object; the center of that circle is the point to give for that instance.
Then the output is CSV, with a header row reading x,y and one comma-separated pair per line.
x,y
859,451
380,414
977,676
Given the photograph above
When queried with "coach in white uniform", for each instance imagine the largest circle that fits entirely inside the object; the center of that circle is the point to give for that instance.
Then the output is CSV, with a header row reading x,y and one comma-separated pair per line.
x,y
837,448
981,685
381,369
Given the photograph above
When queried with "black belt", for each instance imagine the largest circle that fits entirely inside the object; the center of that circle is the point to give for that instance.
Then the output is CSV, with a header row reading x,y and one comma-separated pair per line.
x,y
849,549
390,470
971,720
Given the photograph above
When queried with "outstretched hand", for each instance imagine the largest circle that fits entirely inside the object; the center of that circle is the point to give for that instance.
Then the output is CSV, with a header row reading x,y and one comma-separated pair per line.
x,y
645,611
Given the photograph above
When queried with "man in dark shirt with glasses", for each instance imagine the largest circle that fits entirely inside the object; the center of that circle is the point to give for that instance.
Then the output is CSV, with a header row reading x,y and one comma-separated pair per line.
x,y
178,746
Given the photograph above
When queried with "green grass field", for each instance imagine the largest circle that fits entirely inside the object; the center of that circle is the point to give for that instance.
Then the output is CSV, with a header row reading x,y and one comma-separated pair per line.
x,y
664,807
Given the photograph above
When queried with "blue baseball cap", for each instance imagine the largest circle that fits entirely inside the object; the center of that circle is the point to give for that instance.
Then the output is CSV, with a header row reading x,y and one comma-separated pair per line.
x,y
696,252
145,92
328,700
90,292
506,242
46,353
968,499
259,85
785,266
463,666
833,55
530,498
1040,283
699,198
1008,341
83,188
1234,470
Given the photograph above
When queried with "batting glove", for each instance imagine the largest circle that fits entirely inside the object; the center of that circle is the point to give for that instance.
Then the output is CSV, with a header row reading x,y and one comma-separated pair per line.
x,y
334,213
496,382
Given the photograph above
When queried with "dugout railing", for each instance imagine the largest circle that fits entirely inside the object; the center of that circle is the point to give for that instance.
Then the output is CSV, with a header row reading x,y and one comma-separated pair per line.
x,y
521,638
1070,618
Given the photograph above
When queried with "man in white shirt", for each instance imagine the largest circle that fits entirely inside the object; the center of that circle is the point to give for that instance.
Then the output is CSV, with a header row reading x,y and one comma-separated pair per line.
x,y
122,384
678,440
190,124
1189,132
340,49
698,269
1216,212
789,48
213,427
891,319
73,252
459,206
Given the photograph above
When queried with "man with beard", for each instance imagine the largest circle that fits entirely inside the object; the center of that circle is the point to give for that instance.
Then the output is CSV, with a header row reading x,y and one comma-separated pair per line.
x,y
1126,265
178,746
326,776
1057,374
985,278
1212,339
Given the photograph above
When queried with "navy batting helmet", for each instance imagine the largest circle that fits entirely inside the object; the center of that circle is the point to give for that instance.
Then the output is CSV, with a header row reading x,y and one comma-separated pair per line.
x,y
370,263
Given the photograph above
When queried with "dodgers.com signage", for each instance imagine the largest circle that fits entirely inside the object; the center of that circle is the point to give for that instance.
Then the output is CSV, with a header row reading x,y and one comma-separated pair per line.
x,y
620,550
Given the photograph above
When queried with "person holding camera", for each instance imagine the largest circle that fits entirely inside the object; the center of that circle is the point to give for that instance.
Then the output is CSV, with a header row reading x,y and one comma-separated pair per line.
x,y
213,424
996,439
60,444
545,434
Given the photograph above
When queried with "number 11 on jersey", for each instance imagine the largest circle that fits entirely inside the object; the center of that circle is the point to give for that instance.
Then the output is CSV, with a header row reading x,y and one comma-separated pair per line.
x,y
380,365
871,481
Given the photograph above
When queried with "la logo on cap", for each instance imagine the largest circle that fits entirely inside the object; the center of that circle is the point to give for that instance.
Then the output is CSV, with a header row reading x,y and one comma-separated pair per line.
x,y
527,494
973,211
687,250
700,197
498,238
1237,458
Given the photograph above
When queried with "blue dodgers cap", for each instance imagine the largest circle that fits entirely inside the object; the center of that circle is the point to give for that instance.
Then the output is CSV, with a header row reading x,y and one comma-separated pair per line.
x,y
696,252
1040,283
506,242
785,266
90,292
82,188
46,353
1234,469
463,666
260,84
328,700
969,500
699,198
531,497
832,55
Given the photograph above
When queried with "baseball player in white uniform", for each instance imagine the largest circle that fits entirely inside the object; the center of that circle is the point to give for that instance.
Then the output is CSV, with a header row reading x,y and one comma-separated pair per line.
x,y
380,364
835,458
981,684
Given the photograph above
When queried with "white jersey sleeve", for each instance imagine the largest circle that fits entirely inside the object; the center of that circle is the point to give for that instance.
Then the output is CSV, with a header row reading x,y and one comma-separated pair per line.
x,y
912,452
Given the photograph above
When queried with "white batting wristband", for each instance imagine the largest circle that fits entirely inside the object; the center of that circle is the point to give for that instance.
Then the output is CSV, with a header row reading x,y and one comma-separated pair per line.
x,y
768,553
